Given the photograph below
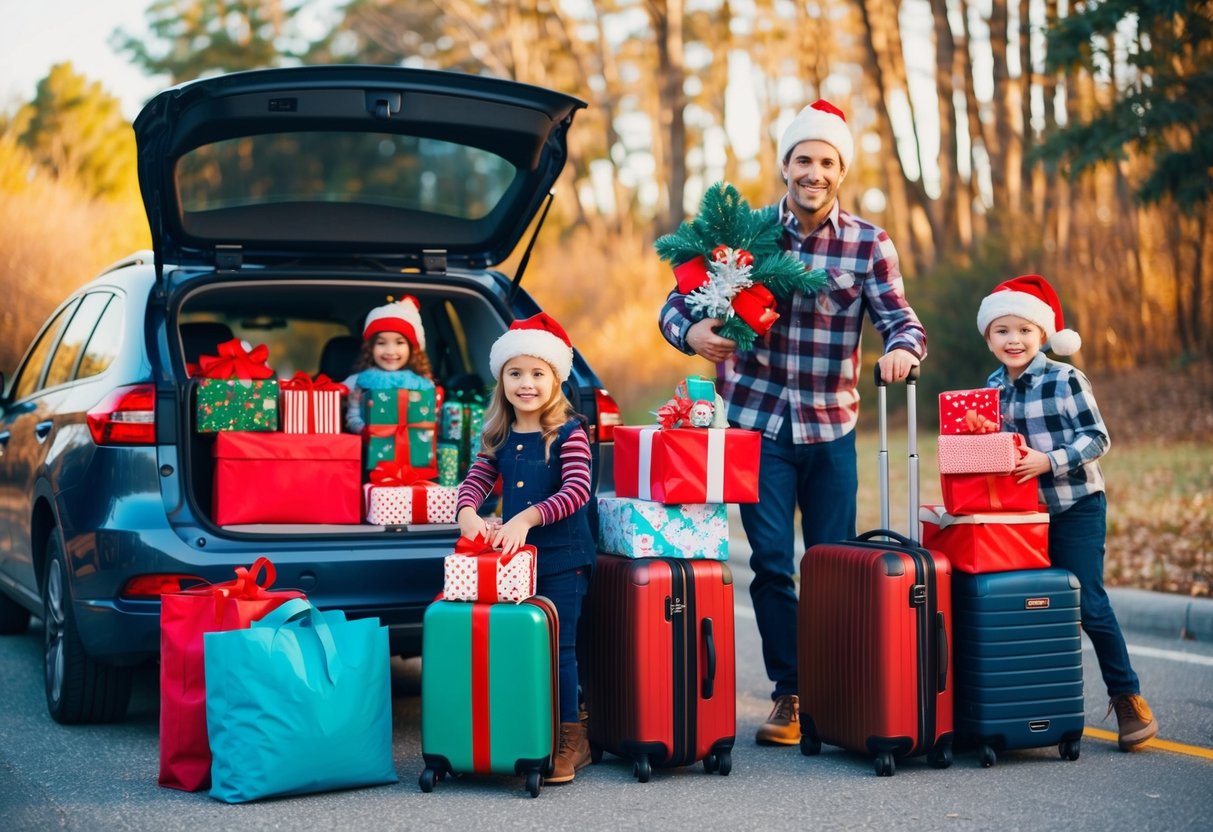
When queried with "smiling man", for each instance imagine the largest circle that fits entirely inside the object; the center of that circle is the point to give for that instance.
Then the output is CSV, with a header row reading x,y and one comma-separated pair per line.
x,y
797,384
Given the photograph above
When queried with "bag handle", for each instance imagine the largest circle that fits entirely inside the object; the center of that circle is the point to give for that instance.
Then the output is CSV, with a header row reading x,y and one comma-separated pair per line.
x,y
301,614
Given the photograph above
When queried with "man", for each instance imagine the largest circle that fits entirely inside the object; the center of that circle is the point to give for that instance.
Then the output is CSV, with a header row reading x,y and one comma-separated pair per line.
x,y
797,384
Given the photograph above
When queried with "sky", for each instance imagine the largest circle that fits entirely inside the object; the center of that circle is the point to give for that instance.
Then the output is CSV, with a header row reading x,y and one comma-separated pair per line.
x,y
37,34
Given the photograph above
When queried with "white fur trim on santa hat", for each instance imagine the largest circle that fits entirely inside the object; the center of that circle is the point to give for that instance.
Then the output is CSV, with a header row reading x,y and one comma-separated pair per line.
x,y
820,121
537,343
403,316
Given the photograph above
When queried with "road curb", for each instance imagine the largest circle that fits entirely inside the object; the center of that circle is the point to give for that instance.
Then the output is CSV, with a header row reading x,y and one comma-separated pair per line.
x,y
1163,614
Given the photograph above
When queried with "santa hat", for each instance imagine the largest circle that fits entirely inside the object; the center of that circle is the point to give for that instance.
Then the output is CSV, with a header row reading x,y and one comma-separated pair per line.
x,y
403,316
1030,297
820,121
538,336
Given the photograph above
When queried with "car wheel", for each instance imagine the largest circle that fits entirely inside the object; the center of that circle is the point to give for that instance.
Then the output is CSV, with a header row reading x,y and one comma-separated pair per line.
x,y
78,689
14,618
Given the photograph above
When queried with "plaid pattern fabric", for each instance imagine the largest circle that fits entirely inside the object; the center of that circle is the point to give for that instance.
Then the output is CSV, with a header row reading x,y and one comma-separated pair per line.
x,y
806,367
1053,407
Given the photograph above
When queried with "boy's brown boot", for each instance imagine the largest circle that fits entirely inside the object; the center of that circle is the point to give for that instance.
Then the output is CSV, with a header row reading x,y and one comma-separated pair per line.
x,y
573,753
1135,719
783,725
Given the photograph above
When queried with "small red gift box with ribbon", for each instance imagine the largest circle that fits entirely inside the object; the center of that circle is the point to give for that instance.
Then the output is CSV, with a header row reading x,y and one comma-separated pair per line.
x,y
397,496
236,390
993,542
969,411
311,405
989,453
478,572
981,493
687,465
287,478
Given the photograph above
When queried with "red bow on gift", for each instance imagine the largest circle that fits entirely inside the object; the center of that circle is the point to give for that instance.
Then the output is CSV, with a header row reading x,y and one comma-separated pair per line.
x,y
394,474
691,275
234,361
977,423
302,381
756,306
673,412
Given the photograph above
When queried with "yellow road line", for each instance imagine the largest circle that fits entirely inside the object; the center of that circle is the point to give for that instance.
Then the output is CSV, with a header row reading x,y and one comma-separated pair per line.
x,y
1163,745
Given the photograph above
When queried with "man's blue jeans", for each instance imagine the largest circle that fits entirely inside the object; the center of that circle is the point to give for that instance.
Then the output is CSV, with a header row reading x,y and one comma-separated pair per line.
x,y
1076,543
820,478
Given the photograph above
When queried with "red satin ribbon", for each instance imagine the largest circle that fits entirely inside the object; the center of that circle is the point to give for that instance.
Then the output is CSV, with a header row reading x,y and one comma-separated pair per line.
x,y
481,729
691,275
394,474
234,361
249,584
674,412
992,488
756,306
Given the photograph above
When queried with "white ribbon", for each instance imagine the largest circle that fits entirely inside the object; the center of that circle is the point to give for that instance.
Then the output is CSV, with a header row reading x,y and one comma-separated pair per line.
x,y
715,473
644,474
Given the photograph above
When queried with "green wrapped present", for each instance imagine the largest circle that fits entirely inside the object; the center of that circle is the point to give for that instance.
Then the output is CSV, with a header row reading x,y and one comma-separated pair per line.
x,y
236,404
400,429
448,464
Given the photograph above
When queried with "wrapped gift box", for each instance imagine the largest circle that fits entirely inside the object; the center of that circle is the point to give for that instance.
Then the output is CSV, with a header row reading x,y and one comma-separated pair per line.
x,y
448,464
236,404
460,423
418,504
644,529
401,429
983,493
490,577
311,405
978,543
687,465
969,411
287,478
989,453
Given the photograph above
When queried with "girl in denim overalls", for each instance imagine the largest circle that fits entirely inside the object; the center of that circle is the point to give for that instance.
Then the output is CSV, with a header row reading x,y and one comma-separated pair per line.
x,y
538,445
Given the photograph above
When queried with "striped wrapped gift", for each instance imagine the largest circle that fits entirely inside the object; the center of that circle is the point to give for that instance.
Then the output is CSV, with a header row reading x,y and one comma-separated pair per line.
x,y
310,405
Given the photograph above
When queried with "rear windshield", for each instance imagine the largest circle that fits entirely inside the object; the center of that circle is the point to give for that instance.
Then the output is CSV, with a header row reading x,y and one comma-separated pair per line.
x,y
408,172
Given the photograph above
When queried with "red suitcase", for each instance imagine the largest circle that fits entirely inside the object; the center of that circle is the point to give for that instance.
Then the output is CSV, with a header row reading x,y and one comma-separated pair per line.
x,y
874,636
656,662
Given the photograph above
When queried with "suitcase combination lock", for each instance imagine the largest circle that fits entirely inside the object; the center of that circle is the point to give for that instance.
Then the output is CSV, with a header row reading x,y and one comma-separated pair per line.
x,y
918,595
673,607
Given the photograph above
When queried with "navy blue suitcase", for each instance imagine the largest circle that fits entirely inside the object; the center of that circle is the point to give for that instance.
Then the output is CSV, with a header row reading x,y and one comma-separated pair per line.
x,y
1018,662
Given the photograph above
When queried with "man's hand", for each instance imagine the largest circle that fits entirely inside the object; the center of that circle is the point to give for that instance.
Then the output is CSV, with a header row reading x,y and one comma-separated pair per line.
x,y
894,365
707,343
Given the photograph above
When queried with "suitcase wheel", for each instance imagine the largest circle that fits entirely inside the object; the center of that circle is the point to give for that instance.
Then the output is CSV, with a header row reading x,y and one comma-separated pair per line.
x,y
533,783
642,769
711,764
1069,749
810,746
988,757
726,763
884,764
940,756
426,780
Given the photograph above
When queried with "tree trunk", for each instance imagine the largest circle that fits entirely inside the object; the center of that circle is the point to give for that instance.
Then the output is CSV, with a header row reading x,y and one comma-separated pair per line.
x,y
667,19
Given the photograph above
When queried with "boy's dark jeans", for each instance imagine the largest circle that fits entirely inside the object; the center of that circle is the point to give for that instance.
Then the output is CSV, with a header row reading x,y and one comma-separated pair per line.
x,y
1076,543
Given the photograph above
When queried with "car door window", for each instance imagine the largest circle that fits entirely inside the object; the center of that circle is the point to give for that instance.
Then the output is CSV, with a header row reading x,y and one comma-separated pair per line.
x,y
103,345
31,372
75,336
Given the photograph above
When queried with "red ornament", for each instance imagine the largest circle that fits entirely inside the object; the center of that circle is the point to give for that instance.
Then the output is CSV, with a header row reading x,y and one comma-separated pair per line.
x,y
744,258
721,254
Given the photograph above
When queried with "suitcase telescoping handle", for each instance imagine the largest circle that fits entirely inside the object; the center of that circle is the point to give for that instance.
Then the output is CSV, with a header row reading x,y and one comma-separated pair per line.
x,y
882,456
709,682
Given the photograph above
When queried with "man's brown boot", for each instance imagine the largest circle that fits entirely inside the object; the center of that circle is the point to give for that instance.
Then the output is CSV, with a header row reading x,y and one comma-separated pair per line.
x,y
1135,720
573,754
783,725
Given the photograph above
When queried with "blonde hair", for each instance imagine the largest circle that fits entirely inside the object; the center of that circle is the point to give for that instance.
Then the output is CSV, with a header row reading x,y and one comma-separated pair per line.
x,y
418,361
499,416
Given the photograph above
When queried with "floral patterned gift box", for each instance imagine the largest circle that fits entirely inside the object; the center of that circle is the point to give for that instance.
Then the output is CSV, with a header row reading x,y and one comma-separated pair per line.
x,y
644,529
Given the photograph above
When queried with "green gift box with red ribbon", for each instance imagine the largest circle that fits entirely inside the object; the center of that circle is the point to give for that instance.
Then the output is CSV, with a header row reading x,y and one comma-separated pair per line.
x,y
236,391
401,429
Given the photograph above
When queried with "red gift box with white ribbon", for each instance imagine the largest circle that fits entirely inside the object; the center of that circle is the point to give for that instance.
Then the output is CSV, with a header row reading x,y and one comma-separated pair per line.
x,y
991,542
989,453
687,465
969,411
478,572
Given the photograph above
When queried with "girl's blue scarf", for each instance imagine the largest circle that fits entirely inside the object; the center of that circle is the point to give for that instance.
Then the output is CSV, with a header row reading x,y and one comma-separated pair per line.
x,y
377,379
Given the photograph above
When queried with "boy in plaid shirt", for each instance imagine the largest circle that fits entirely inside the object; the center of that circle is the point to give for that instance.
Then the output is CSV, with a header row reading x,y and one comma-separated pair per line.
x,y
1052,406
797,384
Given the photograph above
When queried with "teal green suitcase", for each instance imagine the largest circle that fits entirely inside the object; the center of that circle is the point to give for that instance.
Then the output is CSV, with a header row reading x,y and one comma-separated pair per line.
x,y
489,690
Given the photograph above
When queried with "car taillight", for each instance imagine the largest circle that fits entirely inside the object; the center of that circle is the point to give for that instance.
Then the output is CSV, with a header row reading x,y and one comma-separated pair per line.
x,y
153,586
608,415
127,416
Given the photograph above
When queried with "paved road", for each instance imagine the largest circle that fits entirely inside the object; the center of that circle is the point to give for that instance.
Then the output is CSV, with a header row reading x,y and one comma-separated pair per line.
x,y
104,777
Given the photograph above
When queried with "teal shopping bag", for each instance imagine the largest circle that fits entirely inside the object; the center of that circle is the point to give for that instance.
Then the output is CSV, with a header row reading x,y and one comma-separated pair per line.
x,y
300,702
